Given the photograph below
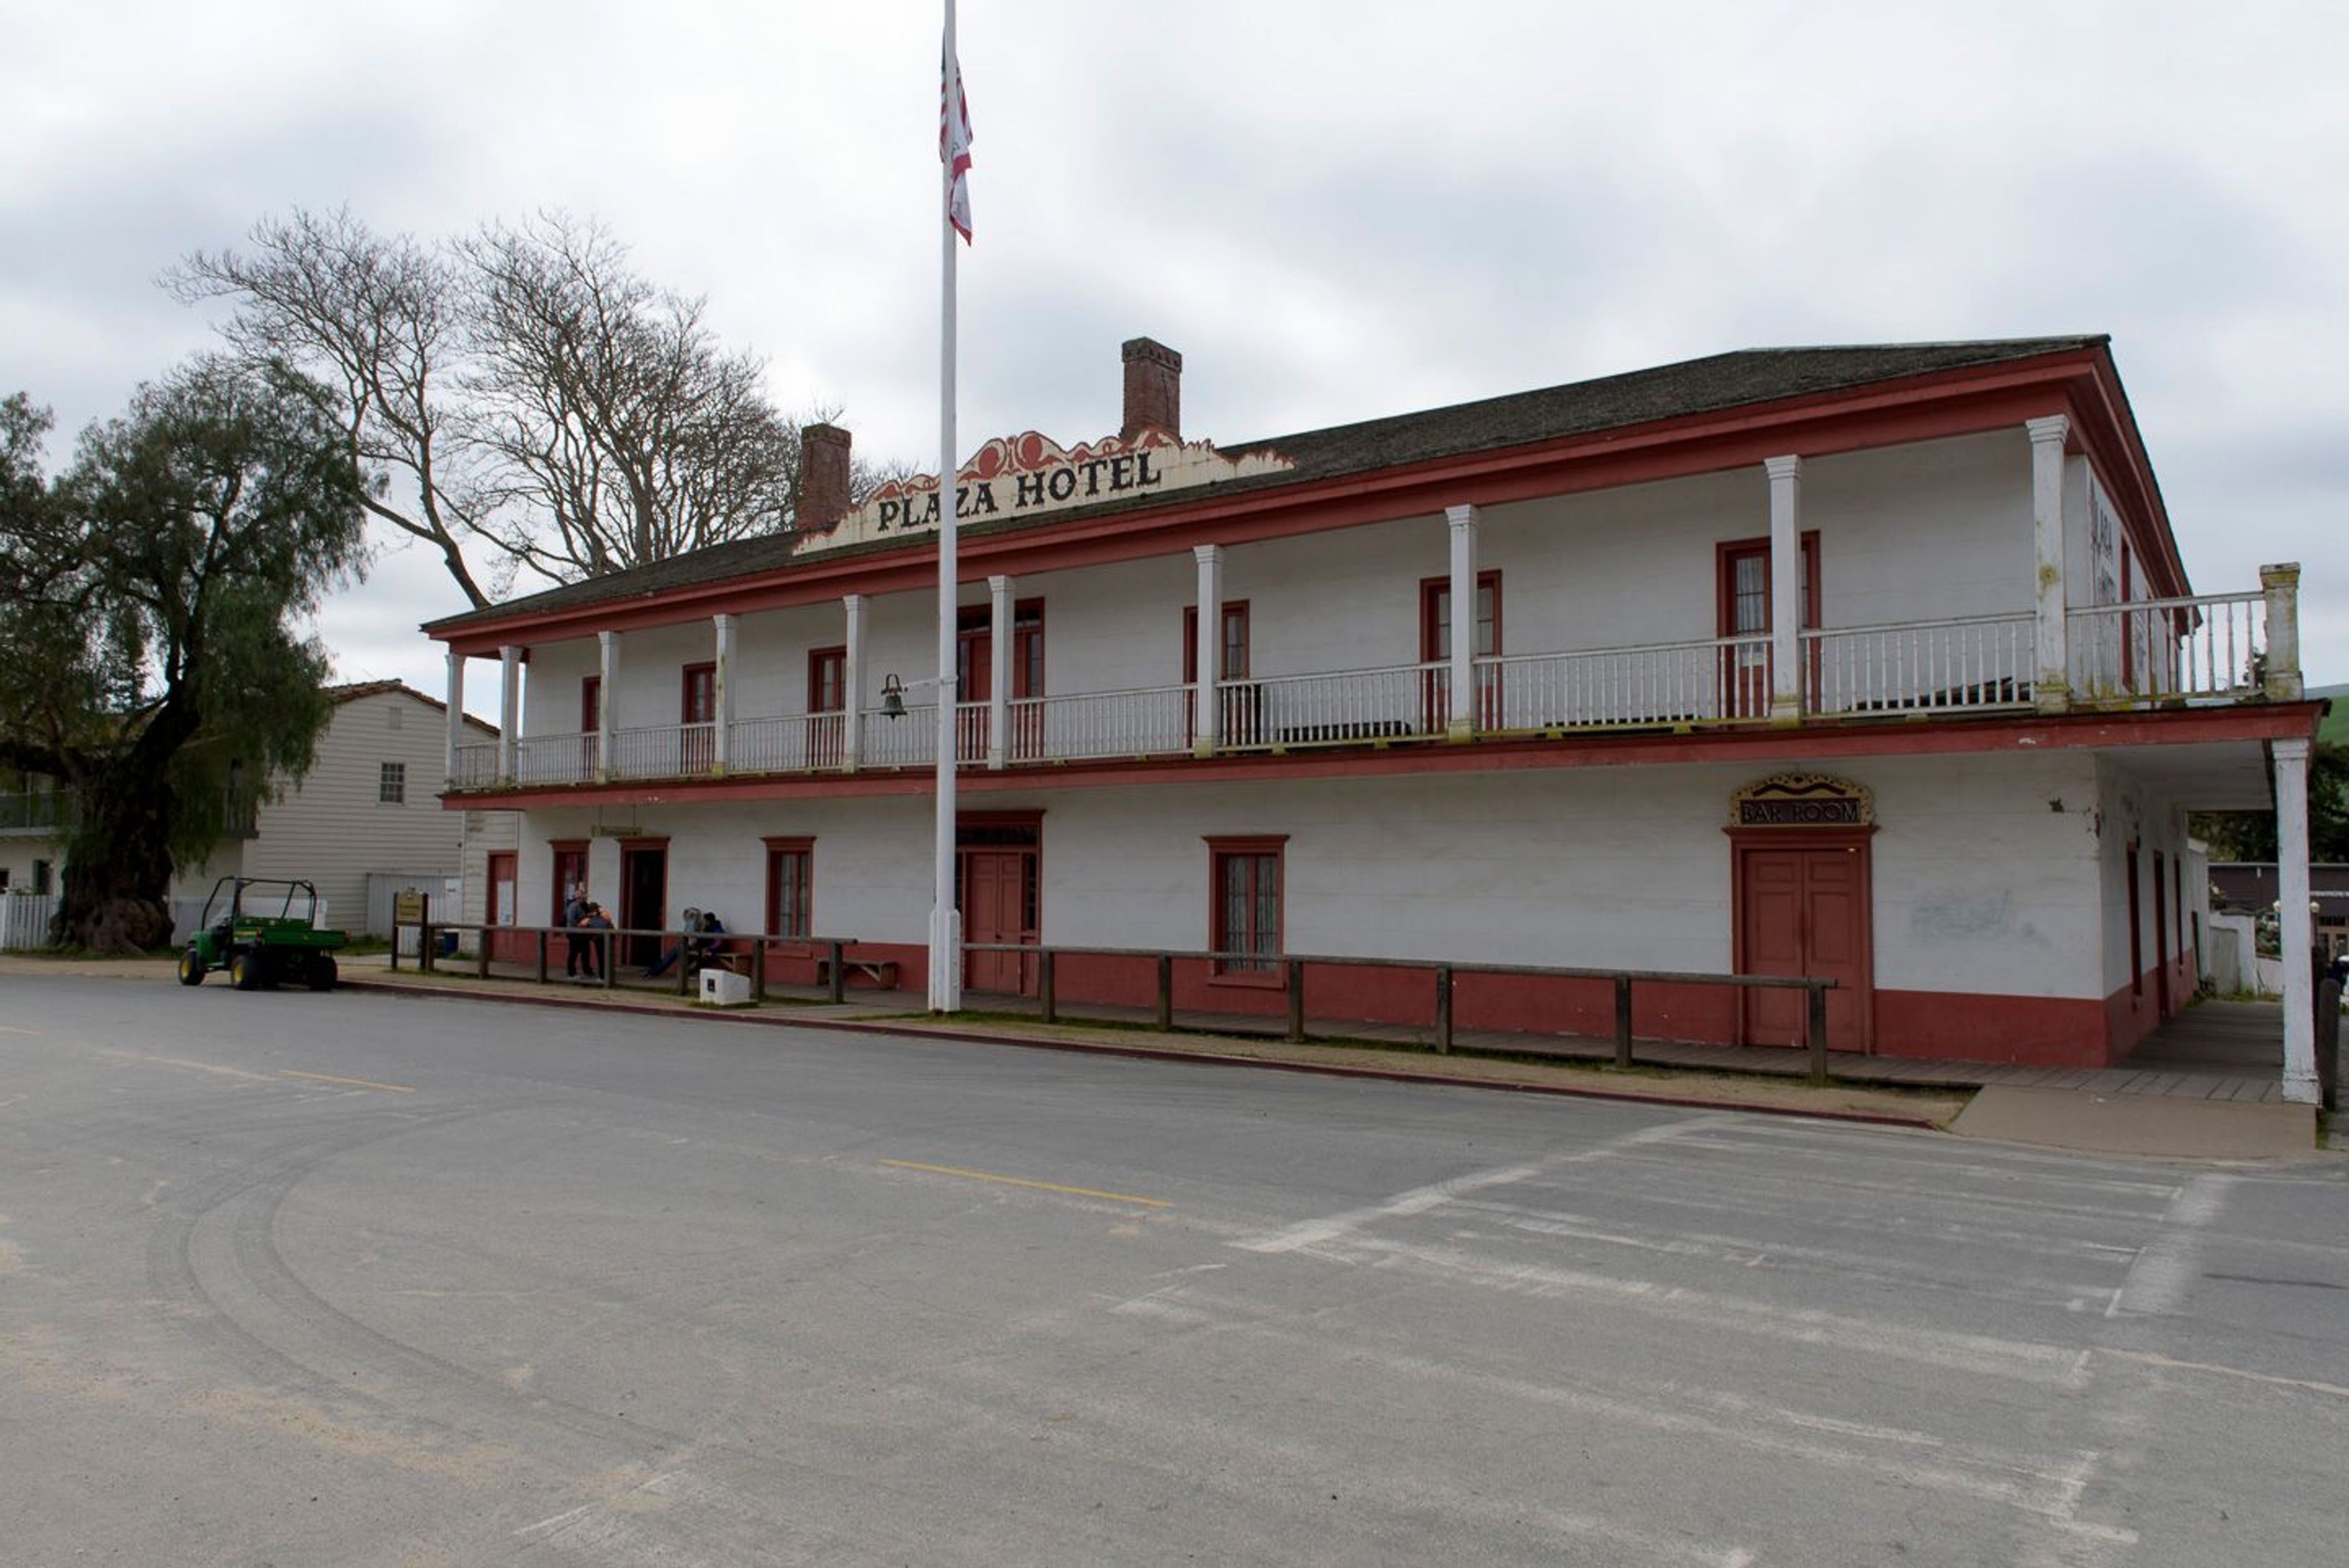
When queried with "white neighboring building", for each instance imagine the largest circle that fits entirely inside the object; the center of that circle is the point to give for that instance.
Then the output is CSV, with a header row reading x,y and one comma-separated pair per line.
x,y
369,807
1874,664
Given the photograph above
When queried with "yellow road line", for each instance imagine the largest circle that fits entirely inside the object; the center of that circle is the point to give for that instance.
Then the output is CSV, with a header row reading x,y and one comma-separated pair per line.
x,y
1024,1181
355,1082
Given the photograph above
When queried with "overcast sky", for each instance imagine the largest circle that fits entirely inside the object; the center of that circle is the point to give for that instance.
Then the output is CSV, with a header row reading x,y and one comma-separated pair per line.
x,y
1335,211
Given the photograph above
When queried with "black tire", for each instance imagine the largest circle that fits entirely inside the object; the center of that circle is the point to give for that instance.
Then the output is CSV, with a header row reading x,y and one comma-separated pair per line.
x,y
323,973
244,970
192,966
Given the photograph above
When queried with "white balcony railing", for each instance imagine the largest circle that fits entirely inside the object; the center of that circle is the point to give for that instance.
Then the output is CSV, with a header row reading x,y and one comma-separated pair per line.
x,y
1344,706
554,759
1923,666
2211,646
477,765
902,743
2207,649
1153,720
1668,683
789,742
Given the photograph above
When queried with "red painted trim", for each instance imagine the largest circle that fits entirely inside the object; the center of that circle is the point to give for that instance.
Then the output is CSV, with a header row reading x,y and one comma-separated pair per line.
x,y
2080,383
1754,744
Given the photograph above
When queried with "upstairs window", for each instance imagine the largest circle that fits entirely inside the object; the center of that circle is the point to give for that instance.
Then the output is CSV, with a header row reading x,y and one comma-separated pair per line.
x,y
391,784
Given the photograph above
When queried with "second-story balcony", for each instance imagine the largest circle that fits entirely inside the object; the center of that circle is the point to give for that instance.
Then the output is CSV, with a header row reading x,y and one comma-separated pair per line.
x,y
2209,649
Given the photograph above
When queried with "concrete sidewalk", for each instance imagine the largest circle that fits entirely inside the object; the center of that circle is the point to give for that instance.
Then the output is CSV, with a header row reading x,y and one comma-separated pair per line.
x,y
2088,1119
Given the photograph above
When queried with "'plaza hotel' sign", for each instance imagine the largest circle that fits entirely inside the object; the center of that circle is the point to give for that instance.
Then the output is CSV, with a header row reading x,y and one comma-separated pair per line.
x,y
1026,476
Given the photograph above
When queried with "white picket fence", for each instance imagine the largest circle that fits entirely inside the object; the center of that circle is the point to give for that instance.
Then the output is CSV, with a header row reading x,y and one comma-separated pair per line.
x,y
24,920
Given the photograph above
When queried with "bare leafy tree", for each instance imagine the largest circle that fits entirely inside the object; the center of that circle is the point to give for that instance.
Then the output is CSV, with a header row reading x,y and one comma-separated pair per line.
x,y
375,318
621,432
521,392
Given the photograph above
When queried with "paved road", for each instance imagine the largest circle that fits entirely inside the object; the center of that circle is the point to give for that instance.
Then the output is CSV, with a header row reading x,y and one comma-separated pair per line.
x,y
296,1280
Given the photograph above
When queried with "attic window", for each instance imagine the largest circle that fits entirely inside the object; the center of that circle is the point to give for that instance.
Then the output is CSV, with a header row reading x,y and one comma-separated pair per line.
x,y
391,789
393,715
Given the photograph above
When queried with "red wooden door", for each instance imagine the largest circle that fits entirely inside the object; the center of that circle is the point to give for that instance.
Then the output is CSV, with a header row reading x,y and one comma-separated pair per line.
x,y
697,706
1803,910
827,701
999,902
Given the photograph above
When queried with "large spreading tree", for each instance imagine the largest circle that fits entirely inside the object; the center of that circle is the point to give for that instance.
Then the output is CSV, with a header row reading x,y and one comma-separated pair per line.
x,y
150,657
522,399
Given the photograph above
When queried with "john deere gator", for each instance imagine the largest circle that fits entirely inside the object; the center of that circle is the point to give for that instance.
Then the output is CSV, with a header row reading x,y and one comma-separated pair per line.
x,y
260,930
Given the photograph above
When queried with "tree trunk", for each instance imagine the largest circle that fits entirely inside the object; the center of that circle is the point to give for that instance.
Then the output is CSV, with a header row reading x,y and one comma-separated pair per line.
x,y
119,902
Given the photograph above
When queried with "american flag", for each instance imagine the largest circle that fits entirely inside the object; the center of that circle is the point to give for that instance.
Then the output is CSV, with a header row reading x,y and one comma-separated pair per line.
x,y
954,145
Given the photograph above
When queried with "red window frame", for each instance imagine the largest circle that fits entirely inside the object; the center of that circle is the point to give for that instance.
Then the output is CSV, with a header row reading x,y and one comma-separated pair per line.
x,y
1436,618
1231,648
565,853
1745,680
828,679
697,700
1258,858
496,911
827,705
591,729
698,704
791,888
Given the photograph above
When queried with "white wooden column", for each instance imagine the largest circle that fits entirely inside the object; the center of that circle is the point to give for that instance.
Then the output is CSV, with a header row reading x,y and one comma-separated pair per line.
x,y
999,671
852,680
509,709
2298,934
721,691
2281,680
1206,652
456,716
2052,682
608,700
1462,707
1785,588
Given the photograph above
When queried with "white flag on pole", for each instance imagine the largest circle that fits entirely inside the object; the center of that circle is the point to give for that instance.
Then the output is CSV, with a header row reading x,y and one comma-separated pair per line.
x,y
954,145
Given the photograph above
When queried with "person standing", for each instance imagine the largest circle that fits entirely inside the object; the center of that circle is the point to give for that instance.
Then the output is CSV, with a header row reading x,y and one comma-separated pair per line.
x,y
598,945
574,946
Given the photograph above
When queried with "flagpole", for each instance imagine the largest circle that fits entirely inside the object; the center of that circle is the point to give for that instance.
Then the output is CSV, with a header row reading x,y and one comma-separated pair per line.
x,y
946,920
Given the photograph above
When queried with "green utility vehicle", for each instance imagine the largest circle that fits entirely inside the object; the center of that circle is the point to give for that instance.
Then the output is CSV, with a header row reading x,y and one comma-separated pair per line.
x,y
259,929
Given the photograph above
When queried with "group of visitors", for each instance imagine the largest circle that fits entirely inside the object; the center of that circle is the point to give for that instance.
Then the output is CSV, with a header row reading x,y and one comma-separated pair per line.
x,y
589,956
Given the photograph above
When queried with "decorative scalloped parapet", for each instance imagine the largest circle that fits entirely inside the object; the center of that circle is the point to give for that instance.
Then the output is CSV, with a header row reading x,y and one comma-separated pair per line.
x,y
1029,475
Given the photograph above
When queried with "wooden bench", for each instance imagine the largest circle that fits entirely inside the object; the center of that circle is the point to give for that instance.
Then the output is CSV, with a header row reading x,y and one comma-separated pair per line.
x,y
882,972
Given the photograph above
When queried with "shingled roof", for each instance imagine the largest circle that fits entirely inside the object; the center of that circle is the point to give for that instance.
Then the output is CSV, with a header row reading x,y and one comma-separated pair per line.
x,y
1741,378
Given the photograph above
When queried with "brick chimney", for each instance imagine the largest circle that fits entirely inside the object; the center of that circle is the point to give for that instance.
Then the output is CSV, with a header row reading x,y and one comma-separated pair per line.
x,y
823,477
1154,388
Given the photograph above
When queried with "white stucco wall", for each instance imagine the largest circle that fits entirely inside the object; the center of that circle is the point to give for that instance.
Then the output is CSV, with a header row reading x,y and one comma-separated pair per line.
x,y
1979,886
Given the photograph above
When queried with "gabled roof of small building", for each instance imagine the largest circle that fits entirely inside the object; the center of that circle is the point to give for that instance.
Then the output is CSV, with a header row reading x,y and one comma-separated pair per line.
x,y
1743,378
352,691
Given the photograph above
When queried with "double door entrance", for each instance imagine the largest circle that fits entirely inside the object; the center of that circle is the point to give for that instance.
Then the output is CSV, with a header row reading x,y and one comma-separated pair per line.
x,y
998,887
1804,907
